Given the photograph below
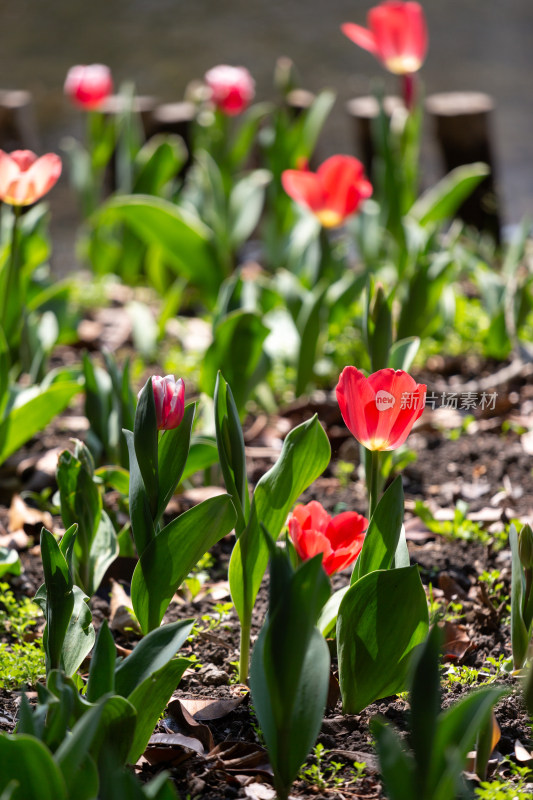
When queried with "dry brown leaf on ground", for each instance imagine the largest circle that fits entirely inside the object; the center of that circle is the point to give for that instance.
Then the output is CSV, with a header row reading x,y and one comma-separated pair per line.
x,y
206,708
23,517
180,720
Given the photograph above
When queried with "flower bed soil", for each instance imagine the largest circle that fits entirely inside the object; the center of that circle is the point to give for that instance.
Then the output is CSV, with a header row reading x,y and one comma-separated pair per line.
x,y
489,467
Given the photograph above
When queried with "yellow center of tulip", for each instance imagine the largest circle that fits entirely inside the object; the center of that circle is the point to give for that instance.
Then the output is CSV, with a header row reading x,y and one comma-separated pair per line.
x,y
403,65
329,218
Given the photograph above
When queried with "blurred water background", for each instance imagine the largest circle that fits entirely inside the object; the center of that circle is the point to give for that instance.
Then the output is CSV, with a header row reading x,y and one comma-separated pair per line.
x,y
477,45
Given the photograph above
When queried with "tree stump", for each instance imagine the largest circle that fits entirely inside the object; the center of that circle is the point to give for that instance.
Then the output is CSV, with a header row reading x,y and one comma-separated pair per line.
x,y
461,123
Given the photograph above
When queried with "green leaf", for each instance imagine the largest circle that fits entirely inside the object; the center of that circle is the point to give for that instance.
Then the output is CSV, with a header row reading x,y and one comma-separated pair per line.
x,y
116,477
309,324
382,537
313,122
9,562
170,557
153,652
184,240
80,635
43,781
442,200
145,438
456,733
142,524
102,670
150,699
397,767
59,598
172,458
246,204
236,351
158,162
425,700
403,352
24,421
519,633
289,674
230,444
376,635
305,455
203,454
104,550
327,620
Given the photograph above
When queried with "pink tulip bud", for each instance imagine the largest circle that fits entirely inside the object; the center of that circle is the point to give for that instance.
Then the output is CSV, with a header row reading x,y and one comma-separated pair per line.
x,y
169,397
232,88
24,178
88,86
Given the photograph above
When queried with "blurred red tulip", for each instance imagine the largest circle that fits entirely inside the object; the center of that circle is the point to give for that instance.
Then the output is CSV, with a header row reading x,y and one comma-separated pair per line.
x,y
380,410
333,192
88,86
396,34
169,396
24,178
232,88
339,538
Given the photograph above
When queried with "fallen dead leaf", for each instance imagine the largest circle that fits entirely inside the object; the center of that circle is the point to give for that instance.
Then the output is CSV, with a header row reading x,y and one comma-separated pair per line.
x,y
456,641
25,518
180,720
207,708
522,754
121,616
240,757
259,791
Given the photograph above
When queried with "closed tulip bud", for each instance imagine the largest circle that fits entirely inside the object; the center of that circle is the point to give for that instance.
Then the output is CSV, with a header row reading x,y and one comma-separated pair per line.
x,y
169,397
88,86
525,546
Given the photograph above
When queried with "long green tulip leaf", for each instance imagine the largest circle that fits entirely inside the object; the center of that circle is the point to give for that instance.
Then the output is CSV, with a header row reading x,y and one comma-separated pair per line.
x,y
170,557
376,635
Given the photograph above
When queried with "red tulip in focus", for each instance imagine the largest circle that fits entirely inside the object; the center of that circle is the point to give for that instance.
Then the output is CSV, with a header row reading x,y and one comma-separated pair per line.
x,y
339,538
88,86
333,192
232,88
380,410
24,178
169,396
396,34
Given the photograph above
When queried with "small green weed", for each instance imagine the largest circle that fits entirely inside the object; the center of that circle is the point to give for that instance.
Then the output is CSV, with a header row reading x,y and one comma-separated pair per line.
x,y
21,661
506,790
460,527
439,610
325,775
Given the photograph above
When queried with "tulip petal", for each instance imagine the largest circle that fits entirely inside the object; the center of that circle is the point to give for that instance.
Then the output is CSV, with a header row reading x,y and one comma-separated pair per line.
x,y
304,187
346,529
343,184
361,36
357,403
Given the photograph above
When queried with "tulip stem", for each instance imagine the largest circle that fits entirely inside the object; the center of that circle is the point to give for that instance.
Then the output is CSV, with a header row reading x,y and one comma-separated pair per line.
x,y
244,655
10,310
373,489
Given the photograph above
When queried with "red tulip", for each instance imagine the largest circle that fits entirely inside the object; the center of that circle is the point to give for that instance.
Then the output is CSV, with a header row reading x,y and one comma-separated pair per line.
x,y
169,396
339,538
88,86
396,35
24,178
232,88
380,410
333,192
